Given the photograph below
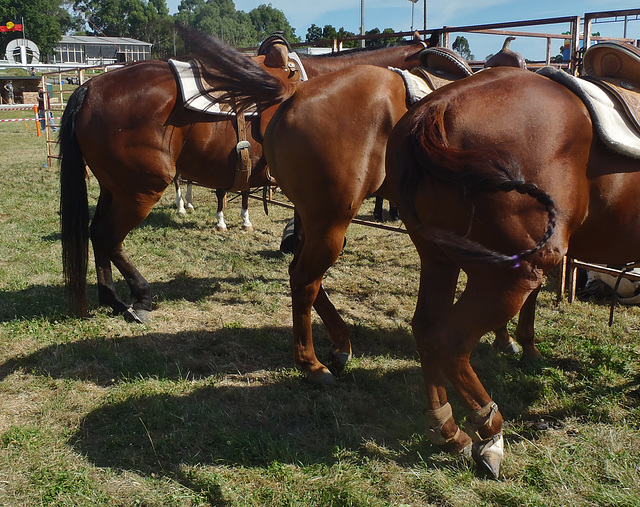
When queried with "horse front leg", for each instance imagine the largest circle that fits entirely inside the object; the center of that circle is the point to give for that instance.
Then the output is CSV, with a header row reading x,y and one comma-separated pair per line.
x,y
244,212
188,196
180,209
221,225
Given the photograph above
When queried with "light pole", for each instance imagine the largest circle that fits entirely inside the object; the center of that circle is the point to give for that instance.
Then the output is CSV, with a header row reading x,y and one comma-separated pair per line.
x,y
413,4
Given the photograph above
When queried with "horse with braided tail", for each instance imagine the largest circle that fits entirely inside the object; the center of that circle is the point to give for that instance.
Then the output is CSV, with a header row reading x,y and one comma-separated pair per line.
x,y
500,175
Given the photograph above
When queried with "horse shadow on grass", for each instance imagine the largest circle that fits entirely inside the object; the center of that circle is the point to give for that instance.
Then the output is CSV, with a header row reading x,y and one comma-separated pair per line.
x,y
50,301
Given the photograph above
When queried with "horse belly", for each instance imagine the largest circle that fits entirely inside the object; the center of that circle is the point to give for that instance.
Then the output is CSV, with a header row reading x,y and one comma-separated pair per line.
x,y
610,233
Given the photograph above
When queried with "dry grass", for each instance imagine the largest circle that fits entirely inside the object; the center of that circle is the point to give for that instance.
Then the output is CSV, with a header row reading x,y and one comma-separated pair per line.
x,y
203,407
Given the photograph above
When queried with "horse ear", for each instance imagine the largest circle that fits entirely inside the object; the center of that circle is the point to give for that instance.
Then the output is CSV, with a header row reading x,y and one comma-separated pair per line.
x,y
416,36
278,56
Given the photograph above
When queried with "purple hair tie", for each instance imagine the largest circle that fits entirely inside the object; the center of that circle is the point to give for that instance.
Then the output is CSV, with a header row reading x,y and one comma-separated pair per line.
x,y
516,259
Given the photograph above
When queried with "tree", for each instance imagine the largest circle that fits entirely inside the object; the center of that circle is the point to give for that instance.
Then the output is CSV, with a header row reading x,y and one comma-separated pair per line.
x,y
461,46
44,21
379,43
266,20
329,32
122,18
314,32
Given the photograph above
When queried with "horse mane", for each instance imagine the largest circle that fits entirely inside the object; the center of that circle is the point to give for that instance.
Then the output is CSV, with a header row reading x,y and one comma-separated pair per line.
x,y
227,70
474,170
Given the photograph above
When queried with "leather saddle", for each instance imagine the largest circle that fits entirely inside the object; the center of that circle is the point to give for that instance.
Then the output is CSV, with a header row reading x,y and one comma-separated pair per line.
x,y
441,66
616,69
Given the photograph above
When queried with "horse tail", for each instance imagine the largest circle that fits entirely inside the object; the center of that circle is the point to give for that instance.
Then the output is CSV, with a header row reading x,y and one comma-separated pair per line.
x,y
74,207
474,170
238,79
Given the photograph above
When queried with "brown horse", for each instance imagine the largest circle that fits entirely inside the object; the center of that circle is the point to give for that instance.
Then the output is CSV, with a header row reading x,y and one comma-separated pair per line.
x,y
453,164
130,128
325,147
401,57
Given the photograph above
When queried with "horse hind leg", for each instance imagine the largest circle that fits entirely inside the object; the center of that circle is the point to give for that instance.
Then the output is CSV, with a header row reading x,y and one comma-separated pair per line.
x,y
111,223
525,337
313,256
490,298
438,280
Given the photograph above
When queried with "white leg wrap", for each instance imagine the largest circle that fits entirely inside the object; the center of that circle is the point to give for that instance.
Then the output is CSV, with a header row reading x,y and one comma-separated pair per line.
x,y
435,421
480,418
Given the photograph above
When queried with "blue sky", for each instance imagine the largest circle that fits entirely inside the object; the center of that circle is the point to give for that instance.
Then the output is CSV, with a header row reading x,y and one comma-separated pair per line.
x,y
396,14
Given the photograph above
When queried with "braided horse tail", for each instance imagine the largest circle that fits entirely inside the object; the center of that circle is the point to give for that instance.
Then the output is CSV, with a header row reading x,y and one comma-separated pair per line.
x,y
476,171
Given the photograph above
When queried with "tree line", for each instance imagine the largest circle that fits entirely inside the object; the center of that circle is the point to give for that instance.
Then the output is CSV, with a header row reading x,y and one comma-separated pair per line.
x,y
45,21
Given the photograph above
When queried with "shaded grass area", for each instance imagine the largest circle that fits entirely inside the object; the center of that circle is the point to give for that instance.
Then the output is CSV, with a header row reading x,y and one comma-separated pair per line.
x,y
202,406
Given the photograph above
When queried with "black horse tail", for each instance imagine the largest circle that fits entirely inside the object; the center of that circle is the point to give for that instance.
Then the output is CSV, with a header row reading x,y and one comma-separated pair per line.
x,y
74,207
474,170
238,78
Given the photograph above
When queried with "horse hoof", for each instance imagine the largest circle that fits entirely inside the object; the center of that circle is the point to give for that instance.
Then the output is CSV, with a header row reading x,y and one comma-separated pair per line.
x,y
221,228
512,348
143,315
190,207
138,316
531,357
248,228
321,377
488,455
339,359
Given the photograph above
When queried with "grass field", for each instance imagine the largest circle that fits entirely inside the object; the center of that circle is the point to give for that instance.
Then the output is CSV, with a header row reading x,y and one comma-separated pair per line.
x,y
202,406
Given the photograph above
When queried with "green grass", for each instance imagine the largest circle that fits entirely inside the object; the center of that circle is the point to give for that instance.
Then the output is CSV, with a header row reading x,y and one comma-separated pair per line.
x,y
202,406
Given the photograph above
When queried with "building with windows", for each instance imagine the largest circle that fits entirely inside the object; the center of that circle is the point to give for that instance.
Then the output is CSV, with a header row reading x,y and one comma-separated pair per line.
x,y
88,50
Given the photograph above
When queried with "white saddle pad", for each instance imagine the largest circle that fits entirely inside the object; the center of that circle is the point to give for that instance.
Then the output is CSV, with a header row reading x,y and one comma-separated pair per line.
x,y
195,96
416,88
613,126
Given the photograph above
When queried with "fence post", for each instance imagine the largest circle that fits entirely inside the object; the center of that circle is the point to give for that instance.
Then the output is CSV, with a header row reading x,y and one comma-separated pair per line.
x,y
35,111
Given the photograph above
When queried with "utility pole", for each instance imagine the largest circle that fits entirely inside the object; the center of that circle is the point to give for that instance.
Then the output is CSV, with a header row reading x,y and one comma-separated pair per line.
x,y
362,41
